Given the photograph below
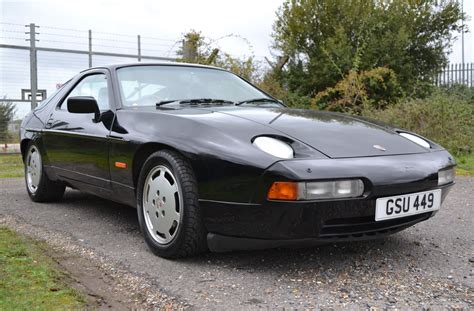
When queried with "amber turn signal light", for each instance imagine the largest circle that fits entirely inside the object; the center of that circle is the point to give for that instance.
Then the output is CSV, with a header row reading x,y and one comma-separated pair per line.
x,y
283,190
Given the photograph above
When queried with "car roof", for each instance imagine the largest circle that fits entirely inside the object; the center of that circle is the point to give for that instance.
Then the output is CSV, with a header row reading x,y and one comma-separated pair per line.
x,y
116,66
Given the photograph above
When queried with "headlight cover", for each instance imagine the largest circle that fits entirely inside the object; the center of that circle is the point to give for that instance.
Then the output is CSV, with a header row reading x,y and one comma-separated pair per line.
x,y
274,146
416,139
319,190
446,176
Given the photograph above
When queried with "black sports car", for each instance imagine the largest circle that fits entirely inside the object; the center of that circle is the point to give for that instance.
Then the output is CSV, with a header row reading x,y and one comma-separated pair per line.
x,y
212,162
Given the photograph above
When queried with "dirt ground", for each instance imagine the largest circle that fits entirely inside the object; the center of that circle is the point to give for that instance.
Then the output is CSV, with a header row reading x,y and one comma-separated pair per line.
x,y
99,244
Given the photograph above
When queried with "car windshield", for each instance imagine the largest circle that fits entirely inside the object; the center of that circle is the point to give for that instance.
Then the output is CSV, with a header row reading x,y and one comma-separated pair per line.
x,y
148,85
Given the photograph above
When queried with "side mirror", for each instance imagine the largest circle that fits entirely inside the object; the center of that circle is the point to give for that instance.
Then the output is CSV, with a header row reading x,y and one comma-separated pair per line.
x,y
84,104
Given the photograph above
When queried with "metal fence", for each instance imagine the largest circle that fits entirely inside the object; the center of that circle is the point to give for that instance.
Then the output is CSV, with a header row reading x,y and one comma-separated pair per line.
x,y
35,60
456,74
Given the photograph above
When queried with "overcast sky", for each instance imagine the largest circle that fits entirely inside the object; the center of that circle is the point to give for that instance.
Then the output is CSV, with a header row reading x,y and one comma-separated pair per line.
x,y
168,20
251,19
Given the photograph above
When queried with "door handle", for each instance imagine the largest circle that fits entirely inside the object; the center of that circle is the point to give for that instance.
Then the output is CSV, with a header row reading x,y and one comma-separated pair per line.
x,y
120,138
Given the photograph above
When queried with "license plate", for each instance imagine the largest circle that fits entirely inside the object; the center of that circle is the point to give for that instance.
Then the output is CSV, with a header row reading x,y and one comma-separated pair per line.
x,y
407,204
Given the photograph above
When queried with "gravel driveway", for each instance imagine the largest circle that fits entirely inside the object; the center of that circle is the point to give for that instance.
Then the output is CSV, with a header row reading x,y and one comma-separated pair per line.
x,y
430,264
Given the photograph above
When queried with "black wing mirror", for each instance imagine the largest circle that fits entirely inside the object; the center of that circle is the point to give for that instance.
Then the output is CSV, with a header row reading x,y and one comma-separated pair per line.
x,y
84,104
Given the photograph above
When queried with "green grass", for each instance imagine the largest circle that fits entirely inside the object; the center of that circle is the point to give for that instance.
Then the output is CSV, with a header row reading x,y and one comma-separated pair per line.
x,y
28,279
11,166
465,165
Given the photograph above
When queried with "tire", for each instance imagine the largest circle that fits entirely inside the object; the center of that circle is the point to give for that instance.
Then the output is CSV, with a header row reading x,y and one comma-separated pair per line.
x,y
39,187
168,206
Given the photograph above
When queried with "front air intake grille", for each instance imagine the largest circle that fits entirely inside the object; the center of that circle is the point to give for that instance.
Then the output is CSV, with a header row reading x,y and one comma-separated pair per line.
x,y
365,227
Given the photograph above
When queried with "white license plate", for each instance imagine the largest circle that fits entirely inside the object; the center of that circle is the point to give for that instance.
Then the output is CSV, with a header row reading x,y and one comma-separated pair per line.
x,y
407,204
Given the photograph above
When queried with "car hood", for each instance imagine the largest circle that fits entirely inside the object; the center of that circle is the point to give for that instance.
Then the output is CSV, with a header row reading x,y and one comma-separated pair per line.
x,y
334,134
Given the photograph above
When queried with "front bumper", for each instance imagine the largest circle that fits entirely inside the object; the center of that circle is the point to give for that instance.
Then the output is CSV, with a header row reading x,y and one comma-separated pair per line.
x,y
267,224
247,226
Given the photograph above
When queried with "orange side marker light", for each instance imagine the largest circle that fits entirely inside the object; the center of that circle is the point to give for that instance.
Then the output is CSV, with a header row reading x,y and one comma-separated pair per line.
x,y
120,165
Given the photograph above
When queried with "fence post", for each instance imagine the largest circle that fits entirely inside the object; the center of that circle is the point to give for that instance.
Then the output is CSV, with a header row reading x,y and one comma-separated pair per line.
x,y
33,64
139,48
90,48
189,51
472,72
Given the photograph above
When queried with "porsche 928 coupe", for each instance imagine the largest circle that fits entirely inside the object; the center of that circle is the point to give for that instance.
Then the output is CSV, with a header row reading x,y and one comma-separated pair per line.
x,y
211,162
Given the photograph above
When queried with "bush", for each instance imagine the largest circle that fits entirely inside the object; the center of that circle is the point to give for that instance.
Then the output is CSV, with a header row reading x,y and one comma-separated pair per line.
x,y
270,84
459,91
442,117
377,87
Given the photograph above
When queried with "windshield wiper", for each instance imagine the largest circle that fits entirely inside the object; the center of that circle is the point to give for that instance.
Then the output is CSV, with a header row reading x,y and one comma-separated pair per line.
x,y
195,101
254,100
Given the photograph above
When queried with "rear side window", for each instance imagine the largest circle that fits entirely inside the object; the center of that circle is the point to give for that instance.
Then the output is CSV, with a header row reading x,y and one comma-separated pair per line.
x,y
94,85
52,96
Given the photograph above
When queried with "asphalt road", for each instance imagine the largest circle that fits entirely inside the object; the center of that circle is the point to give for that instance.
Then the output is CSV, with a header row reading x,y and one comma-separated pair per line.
x,y
430,264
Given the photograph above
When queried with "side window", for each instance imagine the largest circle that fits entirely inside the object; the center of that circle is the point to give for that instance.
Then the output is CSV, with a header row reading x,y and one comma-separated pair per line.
x,y
95,86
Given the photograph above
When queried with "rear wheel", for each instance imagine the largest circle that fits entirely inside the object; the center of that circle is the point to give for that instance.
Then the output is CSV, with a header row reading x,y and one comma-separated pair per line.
x,y
40,188
168,209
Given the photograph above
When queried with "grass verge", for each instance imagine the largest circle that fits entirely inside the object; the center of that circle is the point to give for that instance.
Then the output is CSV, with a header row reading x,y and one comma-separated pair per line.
x,y
11,166
28,278
465,165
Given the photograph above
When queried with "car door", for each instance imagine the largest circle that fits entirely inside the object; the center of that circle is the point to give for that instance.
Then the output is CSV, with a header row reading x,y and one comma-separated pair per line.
x,y
76,145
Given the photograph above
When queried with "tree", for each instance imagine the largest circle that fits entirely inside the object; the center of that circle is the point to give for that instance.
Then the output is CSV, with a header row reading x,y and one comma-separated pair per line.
x,y
327,39
7,111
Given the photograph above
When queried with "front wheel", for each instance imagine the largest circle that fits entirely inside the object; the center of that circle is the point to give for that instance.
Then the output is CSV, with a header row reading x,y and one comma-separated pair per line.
x,y
168,208
40,188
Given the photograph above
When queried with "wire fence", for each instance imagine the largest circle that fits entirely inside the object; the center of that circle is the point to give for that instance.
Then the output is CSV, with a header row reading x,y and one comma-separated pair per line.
x,y
35,60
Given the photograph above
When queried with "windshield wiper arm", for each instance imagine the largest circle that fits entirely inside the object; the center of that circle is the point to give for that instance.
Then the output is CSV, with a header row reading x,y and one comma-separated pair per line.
x,y
206,101
254,100
195,101
164,102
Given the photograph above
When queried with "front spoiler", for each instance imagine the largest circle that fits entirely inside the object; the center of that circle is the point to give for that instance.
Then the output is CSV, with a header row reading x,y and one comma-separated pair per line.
x,y
224,243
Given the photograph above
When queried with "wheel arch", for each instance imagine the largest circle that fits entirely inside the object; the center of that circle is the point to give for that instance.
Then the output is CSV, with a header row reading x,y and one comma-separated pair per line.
x,y
24,146
145,150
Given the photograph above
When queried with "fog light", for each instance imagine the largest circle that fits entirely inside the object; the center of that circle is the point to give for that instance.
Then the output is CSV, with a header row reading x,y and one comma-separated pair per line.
x,y
446,176
316,190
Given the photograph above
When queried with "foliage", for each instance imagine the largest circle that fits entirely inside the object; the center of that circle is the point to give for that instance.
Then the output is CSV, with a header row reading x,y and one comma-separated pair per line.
x,y
441,117
28,279
200,51
7,111
465,165
246,68
270,84
327,39
377,87
460,92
